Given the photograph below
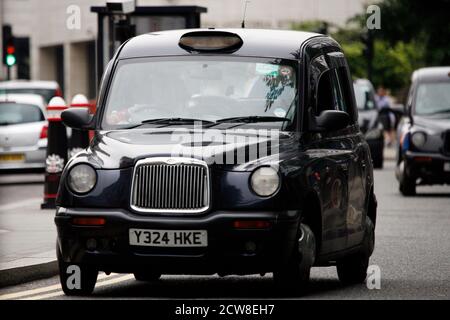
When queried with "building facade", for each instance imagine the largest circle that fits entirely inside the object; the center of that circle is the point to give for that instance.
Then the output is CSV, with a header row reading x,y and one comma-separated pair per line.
x,y
57,37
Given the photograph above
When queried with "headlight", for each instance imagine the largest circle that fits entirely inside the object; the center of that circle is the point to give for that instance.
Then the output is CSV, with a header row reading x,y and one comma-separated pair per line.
x,y
82,178
265,181
418,139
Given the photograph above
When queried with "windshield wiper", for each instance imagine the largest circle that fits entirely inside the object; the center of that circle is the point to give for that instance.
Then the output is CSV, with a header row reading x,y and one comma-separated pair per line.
x,y
254,119
175,120
169,121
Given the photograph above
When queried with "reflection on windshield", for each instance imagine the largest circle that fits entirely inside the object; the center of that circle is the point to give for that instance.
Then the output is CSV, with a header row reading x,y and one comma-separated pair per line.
x,y
209,90
433,98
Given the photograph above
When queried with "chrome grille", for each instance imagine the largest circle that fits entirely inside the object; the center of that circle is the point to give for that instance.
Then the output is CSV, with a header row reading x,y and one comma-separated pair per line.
x,y
170,185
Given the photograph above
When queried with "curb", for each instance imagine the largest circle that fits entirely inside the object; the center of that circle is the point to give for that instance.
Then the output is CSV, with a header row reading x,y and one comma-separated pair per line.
x,y
14,276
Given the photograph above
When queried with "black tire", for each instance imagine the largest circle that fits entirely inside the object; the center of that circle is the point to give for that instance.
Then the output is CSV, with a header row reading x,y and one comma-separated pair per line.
x,y
147,276
407,186
377,159
88,277
353,269
294,276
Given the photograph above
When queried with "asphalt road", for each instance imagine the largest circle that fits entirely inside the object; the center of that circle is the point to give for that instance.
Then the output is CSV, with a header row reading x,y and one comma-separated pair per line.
x,y
412,253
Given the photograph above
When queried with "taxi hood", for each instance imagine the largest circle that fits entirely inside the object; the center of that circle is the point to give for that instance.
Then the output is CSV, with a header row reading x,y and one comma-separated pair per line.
x,y
240,150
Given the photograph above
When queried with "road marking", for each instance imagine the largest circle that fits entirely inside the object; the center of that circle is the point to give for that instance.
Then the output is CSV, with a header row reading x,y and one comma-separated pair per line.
x,y
30,292
19,204
100,284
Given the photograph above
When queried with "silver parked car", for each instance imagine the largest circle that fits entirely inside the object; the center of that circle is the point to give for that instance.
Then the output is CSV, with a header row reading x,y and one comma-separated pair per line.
x,y
46,89
368,119
23,131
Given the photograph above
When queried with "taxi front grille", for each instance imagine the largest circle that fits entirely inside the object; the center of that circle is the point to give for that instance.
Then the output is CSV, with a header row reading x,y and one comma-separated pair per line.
x,y
174,185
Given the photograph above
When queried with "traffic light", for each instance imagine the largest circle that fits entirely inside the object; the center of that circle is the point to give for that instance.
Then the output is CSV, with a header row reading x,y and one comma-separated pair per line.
x,y
9,49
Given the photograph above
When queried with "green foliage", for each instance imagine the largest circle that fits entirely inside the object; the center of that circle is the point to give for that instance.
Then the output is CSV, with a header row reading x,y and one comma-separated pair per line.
x,y
309,25
413,34
392,65
427,22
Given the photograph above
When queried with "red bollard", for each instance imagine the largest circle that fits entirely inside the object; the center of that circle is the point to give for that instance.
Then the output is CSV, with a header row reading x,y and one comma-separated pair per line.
x,y
56,151
78,140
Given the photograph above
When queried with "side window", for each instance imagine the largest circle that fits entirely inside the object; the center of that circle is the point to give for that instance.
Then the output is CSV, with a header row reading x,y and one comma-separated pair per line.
x,y
339,92
334,92
346,92
326,93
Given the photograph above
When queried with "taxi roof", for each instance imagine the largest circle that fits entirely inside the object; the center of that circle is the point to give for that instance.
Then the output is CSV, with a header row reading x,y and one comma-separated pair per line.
x,y
283,44
431,74
26,98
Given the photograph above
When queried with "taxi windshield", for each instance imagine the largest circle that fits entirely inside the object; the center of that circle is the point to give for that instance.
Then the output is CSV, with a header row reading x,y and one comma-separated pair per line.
x,y
211,89
433,98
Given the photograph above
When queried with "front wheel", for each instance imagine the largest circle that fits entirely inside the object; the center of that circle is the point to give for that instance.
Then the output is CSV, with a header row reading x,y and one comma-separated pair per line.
x,y
407,186
76,279
294,276
377,158
353,269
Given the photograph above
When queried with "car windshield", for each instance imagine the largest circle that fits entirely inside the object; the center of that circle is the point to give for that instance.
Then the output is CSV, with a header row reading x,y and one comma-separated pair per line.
x,y
433,98
364,97
17,113
47,94
206,88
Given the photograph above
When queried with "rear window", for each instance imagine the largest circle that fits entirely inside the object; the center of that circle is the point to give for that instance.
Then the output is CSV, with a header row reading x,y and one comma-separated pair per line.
x,y
16,113
364,97
47,94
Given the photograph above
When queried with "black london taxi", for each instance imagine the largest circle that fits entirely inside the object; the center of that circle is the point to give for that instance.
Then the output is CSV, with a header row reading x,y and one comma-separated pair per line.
x,y
423,153
231,151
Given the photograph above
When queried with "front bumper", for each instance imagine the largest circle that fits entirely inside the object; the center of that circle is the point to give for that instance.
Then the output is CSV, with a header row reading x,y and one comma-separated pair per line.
x,y
430,168
226,252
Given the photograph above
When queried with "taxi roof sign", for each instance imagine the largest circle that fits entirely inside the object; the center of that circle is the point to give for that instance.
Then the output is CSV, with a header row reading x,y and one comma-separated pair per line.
x,y
210,41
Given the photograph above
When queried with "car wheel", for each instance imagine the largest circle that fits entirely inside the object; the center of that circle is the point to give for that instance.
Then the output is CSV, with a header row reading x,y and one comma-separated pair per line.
x,y
407,186
353,269
147,276
294,276
68,274
377,159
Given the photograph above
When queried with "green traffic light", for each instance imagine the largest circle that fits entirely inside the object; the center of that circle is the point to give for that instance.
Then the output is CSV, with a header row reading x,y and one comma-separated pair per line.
x,y
10,60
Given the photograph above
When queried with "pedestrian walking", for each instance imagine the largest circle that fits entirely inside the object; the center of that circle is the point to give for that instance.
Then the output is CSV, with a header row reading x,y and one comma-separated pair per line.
x,y
386,116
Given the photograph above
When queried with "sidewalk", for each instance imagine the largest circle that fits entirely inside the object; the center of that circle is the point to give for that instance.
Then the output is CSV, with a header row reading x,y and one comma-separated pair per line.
x,y
389,153
27,234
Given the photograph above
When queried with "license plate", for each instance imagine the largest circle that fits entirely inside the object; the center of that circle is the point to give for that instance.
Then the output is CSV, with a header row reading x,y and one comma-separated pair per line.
x,y
168,238
12,157
447,166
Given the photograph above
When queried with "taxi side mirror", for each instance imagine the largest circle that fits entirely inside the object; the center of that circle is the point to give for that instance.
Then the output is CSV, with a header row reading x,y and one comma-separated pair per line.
x,y
331,120
78,118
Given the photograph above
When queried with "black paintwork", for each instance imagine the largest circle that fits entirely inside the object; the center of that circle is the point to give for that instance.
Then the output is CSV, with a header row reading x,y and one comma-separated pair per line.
x,y
326,176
